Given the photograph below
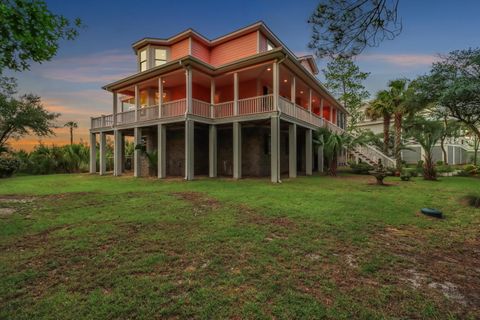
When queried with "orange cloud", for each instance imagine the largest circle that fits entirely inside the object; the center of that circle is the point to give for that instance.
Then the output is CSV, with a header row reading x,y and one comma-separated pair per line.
x,y
402,60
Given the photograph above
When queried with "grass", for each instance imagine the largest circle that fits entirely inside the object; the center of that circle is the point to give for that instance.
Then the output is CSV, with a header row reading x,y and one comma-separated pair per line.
x,y
81,246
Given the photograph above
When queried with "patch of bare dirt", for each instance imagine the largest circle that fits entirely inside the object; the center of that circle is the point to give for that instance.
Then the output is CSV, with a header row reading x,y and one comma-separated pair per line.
x,y
16,198
201,203
450,268
6,212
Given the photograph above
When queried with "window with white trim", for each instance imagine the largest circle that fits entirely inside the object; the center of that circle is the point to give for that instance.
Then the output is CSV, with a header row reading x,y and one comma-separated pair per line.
x,y
143,60
160,56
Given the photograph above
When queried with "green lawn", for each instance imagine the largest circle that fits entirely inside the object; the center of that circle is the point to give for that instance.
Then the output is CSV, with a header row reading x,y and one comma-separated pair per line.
x,y
81,246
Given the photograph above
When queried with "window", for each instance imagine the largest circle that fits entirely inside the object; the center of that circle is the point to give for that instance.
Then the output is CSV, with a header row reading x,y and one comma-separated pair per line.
x,y
160,57
143,60
269,46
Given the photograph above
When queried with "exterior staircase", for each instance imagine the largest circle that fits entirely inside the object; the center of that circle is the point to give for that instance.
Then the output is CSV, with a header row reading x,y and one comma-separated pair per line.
x,y
371,155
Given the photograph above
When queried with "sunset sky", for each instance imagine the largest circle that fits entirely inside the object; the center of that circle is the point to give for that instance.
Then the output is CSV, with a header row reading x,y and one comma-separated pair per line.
x,y
71,83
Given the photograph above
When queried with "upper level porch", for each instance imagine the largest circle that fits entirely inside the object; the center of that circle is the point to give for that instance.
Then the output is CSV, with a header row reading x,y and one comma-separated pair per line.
x,y
252,91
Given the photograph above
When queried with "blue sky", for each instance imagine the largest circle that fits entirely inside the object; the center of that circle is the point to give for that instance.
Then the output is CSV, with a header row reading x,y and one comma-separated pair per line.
x,y
71,82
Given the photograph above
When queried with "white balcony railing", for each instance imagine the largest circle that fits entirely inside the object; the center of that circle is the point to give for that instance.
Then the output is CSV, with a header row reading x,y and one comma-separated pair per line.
x,y
255,105
247,106
223,110
174,108
201,108
147,113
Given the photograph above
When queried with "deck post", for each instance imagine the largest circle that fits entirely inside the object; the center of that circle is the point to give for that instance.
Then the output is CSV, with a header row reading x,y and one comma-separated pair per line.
x,y
189,149
161,149
137,140
212,151
93,153
160,96
115,107
292,150
188,88
308,152
103,162
212,98
117,153
235,94
320,158
237,150
275,148
137,101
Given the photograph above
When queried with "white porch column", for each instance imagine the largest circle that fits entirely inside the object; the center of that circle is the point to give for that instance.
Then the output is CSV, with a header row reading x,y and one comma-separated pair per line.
x,y
275,74
275,149
292,150
310,100
321,108
115,108
137,140
308,152
137,101
93,153
212,97
235,94
189,149
117,153
331,114
237,150
320,158
103,160
212,151
293,90
160,96
161,149
188,88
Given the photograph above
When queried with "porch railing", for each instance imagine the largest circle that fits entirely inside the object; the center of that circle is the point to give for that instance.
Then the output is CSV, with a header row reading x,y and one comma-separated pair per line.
x,y
223,110
201,108
126,117
174,108
147,113
255,105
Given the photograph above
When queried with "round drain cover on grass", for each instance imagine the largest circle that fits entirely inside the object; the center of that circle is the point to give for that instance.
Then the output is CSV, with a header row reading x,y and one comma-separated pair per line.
x,y
432,212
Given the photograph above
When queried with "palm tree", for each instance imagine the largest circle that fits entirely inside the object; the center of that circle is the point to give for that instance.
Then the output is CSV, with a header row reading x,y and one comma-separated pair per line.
x,y
72,125
380,107
333,143
427,133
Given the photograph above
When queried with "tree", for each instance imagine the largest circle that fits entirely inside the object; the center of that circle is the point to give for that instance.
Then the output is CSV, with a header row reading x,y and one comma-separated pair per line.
x,y
71,125
30,32
380,107
333,143
26,115
427,133
454,83
347,27
345,80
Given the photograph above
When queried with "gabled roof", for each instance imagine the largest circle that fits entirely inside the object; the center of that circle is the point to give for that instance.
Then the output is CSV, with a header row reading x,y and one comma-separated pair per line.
x,y
311,62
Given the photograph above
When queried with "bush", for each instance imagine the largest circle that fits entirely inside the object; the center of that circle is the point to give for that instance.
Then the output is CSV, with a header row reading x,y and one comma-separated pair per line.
x,y
8,166
361,168
420,164
444,168
471,169
412,172
405,176
440,163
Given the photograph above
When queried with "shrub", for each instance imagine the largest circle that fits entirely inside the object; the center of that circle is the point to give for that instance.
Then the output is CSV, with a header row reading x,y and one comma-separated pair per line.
x,y
405,176
444,168
361,168
439,163
8,166
420,164
412,172
471,169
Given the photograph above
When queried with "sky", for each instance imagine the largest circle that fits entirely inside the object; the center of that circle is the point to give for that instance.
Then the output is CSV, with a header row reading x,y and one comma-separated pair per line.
x,y
71,82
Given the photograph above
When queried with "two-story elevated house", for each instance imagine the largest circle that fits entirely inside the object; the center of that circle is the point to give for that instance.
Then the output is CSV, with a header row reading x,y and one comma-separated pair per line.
x,y
239,105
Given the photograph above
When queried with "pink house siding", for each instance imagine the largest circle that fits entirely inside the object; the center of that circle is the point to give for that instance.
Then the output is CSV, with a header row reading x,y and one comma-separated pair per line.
x,y
179,49
263,43
200,51
234,49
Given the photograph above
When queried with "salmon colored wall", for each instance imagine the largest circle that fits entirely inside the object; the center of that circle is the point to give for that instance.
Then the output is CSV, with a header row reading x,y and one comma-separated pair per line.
x,y
234,49
326,112
200,51
179,49
201,93
334,116
224,94
175,93
248,89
